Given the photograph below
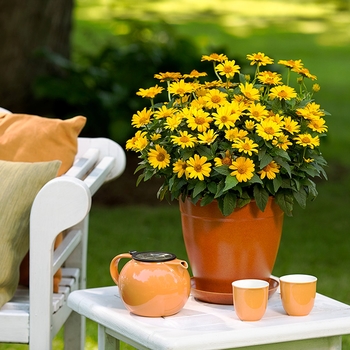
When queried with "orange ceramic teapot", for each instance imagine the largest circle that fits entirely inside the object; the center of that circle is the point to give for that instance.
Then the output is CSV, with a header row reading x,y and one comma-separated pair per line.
x,y
152,284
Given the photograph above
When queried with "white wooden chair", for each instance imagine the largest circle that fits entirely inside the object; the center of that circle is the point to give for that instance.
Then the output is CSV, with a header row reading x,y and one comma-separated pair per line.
x,y
35,315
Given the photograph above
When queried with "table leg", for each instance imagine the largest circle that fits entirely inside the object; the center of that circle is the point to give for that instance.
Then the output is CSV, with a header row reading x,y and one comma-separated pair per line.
x,y
106,341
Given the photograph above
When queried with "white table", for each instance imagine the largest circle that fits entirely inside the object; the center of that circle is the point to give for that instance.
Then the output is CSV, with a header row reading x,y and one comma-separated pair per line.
x,y
203,326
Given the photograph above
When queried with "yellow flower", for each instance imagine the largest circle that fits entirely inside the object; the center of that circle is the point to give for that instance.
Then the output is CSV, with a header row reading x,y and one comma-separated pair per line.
x,y
270,78
184,140
214,57
246,146
316,88
291,125
227,160
233,134
268,129
249,91
180,168
257,111
306,140
224,117
151,92
294,65
243,169
249,124
228,69
138,142
208,137
180,88
173,121
310,111
282,142
318,125
158,157
155,137
168,76
259,59
164,112
199,120
282,92
305,73
214,98
141,118
198,168
269,171
195,74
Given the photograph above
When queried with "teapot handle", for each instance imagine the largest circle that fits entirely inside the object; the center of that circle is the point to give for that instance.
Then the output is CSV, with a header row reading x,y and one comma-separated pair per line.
x,y
113,267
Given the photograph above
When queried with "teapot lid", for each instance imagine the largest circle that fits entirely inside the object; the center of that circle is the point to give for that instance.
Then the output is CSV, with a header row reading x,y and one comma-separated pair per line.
x,y
152,256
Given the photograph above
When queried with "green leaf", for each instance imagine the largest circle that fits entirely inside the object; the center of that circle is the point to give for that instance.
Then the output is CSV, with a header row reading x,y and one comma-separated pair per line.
x,y
285,201
261,197
284,165
212,187
230,182
208,198
200,186
282,153
139,179
265,160
300,197
229,204
277,183
204,151
223,170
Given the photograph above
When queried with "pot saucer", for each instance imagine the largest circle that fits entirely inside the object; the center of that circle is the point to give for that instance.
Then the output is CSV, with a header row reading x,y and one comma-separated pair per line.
x,y
225,298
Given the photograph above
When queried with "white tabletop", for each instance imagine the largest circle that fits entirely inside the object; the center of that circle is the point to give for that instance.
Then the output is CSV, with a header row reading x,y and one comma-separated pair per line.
x,y
203,326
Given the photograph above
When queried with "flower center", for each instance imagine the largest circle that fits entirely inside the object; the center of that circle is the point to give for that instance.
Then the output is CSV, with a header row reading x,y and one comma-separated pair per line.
x,y
197,168
215,99
200,120
269,130
306,139
283,94
160,157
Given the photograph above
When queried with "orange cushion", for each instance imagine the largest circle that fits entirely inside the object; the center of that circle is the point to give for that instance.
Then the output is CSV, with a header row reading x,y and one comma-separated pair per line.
x,y
30,138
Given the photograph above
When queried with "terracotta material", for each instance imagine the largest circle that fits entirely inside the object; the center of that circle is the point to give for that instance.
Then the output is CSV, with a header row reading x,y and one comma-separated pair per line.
x,y
298,293
152,289
225,298
224,249
250,298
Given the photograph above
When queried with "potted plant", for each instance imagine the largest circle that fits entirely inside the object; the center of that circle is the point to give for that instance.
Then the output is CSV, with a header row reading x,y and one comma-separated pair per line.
x,y
234,142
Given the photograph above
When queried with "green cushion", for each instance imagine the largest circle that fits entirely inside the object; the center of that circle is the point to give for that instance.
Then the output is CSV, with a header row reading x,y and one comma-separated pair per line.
x,y
19,184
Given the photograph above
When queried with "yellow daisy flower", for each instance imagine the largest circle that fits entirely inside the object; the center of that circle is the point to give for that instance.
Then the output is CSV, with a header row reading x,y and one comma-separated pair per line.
x,y
306,73
306,140
173,121
259,59
268,129
198,168
282,142
269,171
246,146
214,98
195,74
138,142
227,160
151,92
208,137
214,57
243,169
294,65
168,76
163,112
141,118
310,111
180,168
282,92
158,157
180,88
184,140
318,125
249,91
270,78
224,117
199,120
257,111
228,69
233,134
291,125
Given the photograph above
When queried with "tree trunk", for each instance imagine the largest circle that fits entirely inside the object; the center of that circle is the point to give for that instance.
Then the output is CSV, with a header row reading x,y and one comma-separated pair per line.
x,y
27,26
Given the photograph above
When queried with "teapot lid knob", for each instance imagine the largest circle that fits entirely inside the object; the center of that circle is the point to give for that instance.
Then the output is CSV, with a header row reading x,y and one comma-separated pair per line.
x,y
152,256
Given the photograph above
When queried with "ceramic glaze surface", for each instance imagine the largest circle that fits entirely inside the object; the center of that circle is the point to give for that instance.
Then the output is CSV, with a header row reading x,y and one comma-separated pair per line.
x,y
152,288
298,293
224,249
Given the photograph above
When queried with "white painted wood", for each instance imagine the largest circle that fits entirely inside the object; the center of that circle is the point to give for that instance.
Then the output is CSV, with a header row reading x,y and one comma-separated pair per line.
x,y
36,314
208,326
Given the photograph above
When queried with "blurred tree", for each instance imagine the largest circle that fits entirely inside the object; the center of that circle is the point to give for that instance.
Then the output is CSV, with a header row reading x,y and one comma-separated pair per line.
x,y
26,27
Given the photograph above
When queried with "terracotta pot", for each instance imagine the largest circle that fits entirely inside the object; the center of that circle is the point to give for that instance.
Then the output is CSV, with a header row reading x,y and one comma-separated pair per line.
x,y
224,249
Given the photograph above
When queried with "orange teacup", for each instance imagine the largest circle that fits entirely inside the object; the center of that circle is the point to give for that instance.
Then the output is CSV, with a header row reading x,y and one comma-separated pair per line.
x,y
298,294
250,298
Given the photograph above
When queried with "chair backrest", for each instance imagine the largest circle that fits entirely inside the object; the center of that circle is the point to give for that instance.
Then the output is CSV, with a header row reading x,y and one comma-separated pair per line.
x,y
62,205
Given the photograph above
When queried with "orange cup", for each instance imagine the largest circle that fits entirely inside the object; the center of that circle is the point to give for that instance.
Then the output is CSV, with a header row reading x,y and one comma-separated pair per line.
x,y
250,298
298,294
